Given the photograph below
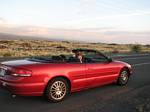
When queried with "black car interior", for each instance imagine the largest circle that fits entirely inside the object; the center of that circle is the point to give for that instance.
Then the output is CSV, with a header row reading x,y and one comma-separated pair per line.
x,y
88,56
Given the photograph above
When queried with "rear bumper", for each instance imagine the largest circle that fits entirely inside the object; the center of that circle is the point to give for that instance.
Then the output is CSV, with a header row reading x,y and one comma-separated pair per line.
x,y
23,89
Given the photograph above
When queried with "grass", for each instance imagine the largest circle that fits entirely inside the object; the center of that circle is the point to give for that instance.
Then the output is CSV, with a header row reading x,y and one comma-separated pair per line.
x,y
23,48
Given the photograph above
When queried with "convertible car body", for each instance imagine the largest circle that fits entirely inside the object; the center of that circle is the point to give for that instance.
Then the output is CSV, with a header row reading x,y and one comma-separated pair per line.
x,y
56,76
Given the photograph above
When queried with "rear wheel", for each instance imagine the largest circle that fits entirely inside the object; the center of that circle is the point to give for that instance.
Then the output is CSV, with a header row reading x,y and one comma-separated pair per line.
x,y
57,89
123,77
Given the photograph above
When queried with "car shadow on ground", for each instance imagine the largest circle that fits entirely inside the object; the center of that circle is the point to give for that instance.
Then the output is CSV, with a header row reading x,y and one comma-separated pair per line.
x,y
74,101
84,93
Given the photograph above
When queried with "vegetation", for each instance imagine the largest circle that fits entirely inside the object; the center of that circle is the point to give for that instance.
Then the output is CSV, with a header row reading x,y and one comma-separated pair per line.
x,y
23,48
136,48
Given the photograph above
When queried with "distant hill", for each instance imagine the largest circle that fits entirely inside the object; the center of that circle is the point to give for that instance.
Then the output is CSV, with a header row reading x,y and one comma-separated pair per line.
x,y
6,36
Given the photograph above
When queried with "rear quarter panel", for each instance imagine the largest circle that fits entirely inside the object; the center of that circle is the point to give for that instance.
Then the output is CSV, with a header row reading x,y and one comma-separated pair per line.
x,y
43,73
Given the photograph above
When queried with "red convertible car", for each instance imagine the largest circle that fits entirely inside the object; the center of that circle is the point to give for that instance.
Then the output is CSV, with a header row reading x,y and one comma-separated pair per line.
x,y
57,76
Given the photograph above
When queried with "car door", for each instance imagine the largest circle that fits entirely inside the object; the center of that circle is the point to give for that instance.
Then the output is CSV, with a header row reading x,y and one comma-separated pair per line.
x,y
99,70
76,72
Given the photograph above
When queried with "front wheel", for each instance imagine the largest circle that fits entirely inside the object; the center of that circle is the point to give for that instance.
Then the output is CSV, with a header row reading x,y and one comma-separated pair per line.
x,y
123,77
57,89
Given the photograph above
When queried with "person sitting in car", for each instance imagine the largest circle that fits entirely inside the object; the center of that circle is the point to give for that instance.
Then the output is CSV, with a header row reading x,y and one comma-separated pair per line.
x,y
79,56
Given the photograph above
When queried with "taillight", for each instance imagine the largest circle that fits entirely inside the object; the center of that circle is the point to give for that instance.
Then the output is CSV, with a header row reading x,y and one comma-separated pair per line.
x,y
18,72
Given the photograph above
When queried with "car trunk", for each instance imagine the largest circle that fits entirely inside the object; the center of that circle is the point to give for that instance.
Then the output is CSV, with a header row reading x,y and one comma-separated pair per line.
x,y
7,67
16,63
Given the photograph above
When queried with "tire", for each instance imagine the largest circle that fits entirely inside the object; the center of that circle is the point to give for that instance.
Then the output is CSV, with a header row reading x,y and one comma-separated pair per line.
x,y
123,77
57,89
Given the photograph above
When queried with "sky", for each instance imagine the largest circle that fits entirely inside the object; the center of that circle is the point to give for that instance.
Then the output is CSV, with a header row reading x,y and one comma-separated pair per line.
x,y
112,21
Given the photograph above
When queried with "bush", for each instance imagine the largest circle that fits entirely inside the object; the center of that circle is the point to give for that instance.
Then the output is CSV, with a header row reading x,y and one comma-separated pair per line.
x,y
148,45
136,48
28,45
8,54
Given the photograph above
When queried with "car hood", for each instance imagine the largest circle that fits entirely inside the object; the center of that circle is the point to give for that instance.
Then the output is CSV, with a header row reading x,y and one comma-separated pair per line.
x,y
122,63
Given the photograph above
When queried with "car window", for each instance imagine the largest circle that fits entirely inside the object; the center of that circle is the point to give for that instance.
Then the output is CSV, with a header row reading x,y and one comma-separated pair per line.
x,y
94,58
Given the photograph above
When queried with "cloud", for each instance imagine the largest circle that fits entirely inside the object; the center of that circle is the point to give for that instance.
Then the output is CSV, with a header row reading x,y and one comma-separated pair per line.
x,y
115,16
104,34
2,21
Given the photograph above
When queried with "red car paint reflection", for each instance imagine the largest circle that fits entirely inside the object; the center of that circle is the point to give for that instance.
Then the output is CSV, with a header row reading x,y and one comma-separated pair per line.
x,y
30,77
